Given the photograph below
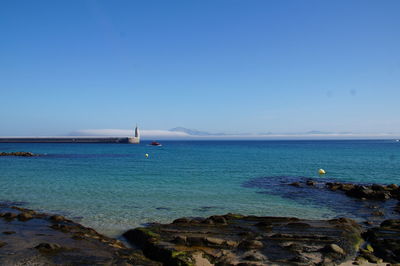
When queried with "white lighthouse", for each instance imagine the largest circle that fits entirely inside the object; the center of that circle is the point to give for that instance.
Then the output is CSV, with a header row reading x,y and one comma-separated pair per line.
x,y
136,138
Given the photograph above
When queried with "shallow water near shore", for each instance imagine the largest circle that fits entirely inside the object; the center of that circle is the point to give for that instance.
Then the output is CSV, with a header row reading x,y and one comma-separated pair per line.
x,y
114,187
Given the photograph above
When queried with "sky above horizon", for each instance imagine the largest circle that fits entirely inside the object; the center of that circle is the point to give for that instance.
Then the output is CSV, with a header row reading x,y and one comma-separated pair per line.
x,y
220,66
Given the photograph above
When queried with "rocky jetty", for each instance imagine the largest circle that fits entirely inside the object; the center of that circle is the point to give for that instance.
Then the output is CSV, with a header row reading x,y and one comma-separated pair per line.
x,y
18,153
31,238
249,240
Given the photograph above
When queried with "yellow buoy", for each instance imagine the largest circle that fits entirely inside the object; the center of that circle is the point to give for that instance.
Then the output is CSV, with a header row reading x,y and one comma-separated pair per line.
x,y
147,155
321,171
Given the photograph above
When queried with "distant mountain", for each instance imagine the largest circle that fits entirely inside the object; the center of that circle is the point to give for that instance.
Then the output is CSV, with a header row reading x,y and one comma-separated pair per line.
x,y
194,132
316,132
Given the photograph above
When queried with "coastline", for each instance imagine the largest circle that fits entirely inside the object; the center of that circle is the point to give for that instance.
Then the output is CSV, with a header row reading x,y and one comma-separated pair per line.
x,y
230,239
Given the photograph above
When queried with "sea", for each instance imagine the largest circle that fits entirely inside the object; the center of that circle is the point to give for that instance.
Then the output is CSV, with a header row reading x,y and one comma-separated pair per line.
x,y
115,187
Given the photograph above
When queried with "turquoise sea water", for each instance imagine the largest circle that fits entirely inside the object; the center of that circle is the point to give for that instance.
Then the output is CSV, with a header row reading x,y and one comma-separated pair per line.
x,y
113,187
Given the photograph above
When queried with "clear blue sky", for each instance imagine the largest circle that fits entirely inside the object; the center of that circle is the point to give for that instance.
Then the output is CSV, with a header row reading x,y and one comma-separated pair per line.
x,y
219,66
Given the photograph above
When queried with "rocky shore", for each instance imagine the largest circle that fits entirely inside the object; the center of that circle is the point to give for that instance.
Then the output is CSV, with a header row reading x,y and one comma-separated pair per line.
x,y
234,239
31,238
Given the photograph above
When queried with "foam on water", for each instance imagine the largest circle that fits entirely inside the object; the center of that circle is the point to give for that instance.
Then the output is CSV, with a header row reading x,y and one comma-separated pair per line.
x,y
113,187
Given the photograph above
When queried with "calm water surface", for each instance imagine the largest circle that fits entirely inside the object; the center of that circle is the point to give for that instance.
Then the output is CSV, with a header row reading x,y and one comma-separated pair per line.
x,y
113,187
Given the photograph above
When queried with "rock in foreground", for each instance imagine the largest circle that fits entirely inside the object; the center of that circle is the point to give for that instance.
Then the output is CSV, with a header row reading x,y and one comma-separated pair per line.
x,y
31,238
384,242
248,240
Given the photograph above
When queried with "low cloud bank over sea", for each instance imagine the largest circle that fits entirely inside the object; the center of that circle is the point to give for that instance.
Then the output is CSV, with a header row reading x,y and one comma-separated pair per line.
x,y
180,133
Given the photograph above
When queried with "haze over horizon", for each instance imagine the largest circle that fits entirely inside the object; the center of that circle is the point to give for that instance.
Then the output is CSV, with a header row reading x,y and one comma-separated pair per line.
x,y
181,133
228,67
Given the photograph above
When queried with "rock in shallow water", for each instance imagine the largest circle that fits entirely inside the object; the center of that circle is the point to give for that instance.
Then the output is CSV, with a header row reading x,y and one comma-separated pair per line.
x,y
18,153
41,239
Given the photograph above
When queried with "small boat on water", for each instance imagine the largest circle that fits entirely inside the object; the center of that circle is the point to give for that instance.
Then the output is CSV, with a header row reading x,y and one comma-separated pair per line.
x,y
155,143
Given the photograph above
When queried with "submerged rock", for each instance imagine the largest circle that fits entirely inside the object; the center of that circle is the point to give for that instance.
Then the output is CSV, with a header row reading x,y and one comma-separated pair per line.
x,y
249,240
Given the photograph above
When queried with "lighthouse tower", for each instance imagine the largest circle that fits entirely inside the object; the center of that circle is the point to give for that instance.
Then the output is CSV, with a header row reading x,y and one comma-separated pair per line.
x,y
137,133
136,138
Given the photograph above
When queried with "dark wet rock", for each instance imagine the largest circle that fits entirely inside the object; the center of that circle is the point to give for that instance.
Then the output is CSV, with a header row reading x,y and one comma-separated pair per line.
x,y
18,153
384,241
254,256
242,240
295,184
294,247
378,213
298,224
371,258
32,240
311,183
213,241
196,241
163,208
9,215
392,186
334,248
57,218
24,216
263,224
251,244
217,219
392,223
368,192
180,240
182,221
48,247
333,186
300,260
397,207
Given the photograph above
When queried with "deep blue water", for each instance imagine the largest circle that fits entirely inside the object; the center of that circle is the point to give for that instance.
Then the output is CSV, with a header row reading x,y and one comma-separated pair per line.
x,y
113,187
